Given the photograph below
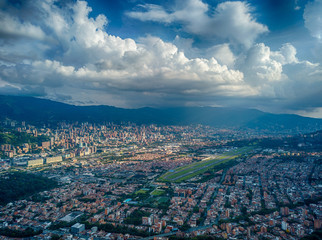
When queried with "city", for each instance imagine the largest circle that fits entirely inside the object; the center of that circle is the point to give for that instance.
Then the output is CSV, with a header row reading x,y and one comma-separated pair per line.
x,y
114,182
160,119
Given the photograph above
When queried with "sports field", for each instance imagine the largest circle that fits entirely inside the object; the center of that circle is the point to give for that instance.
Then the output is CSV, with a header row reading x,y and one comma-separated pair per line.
x,y
194,169
157,192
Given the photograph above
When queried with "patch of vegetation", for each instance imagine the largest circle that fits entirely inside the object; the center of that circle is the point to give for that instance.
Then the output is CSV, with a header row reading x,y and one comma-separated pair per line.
x,y
141,191
117,229
61,224
87,200
184,227
19,185
317,235
221,166
163,203
163,200
55,237
157,192
28,232
227,204
18,138
136,217
40,198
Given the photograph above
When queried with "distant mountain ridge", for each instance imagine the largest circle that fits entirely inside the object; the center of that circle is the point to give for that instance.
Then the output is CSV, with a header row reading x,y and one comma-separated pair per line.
x,y
42,110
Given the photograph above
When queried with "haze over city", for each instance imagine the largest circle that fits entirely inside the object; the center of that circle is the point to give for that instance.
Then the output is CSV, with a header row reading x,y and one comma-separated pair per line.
x,y
250,54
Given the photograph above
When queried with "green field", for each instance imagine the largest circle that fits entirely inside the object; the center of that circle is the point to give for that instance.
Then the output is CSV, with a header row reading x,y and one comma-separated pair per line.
x,y
187,172
162,199
157,192
141,191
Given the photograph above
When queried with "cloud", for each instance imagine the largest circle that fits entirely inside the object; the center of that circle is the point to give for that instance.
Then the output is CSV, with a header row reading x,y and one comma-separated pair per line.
x,y
77,61
312,18
230,20
152,13
12,27
223,54
261,66
86,57
280,76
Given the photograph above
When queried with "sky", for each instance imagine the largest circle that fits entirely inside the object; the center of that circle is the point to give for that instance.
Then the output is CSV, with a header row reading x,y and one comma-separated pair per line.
x,y
263,54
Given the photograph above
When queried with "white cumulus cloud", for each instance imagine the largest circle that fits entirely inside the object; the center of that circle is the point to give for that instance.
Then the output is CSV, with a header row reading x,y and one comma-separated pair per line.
x,y
230,20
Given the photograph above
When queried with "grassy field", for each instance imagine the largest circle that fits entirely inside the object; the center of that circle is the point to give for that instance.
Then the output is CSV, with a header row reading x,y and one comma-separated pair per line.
x,y
162,199
187,172
141,191
157,192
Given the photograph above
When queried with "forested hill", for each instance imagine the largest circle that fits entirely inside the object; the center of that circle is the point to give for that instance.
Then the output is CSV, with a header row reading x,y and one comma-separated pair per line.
x,y
41,110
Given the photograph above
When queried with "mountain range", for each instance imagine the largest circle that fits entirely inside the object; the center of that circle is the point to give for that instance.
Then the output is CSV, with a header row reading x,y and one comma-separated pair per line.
x,y
38,110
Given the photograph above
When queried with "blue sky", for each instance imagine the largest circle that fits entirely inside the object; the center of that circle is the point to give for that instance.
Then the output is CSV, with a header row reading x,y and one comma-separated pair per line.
x,y
255,54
